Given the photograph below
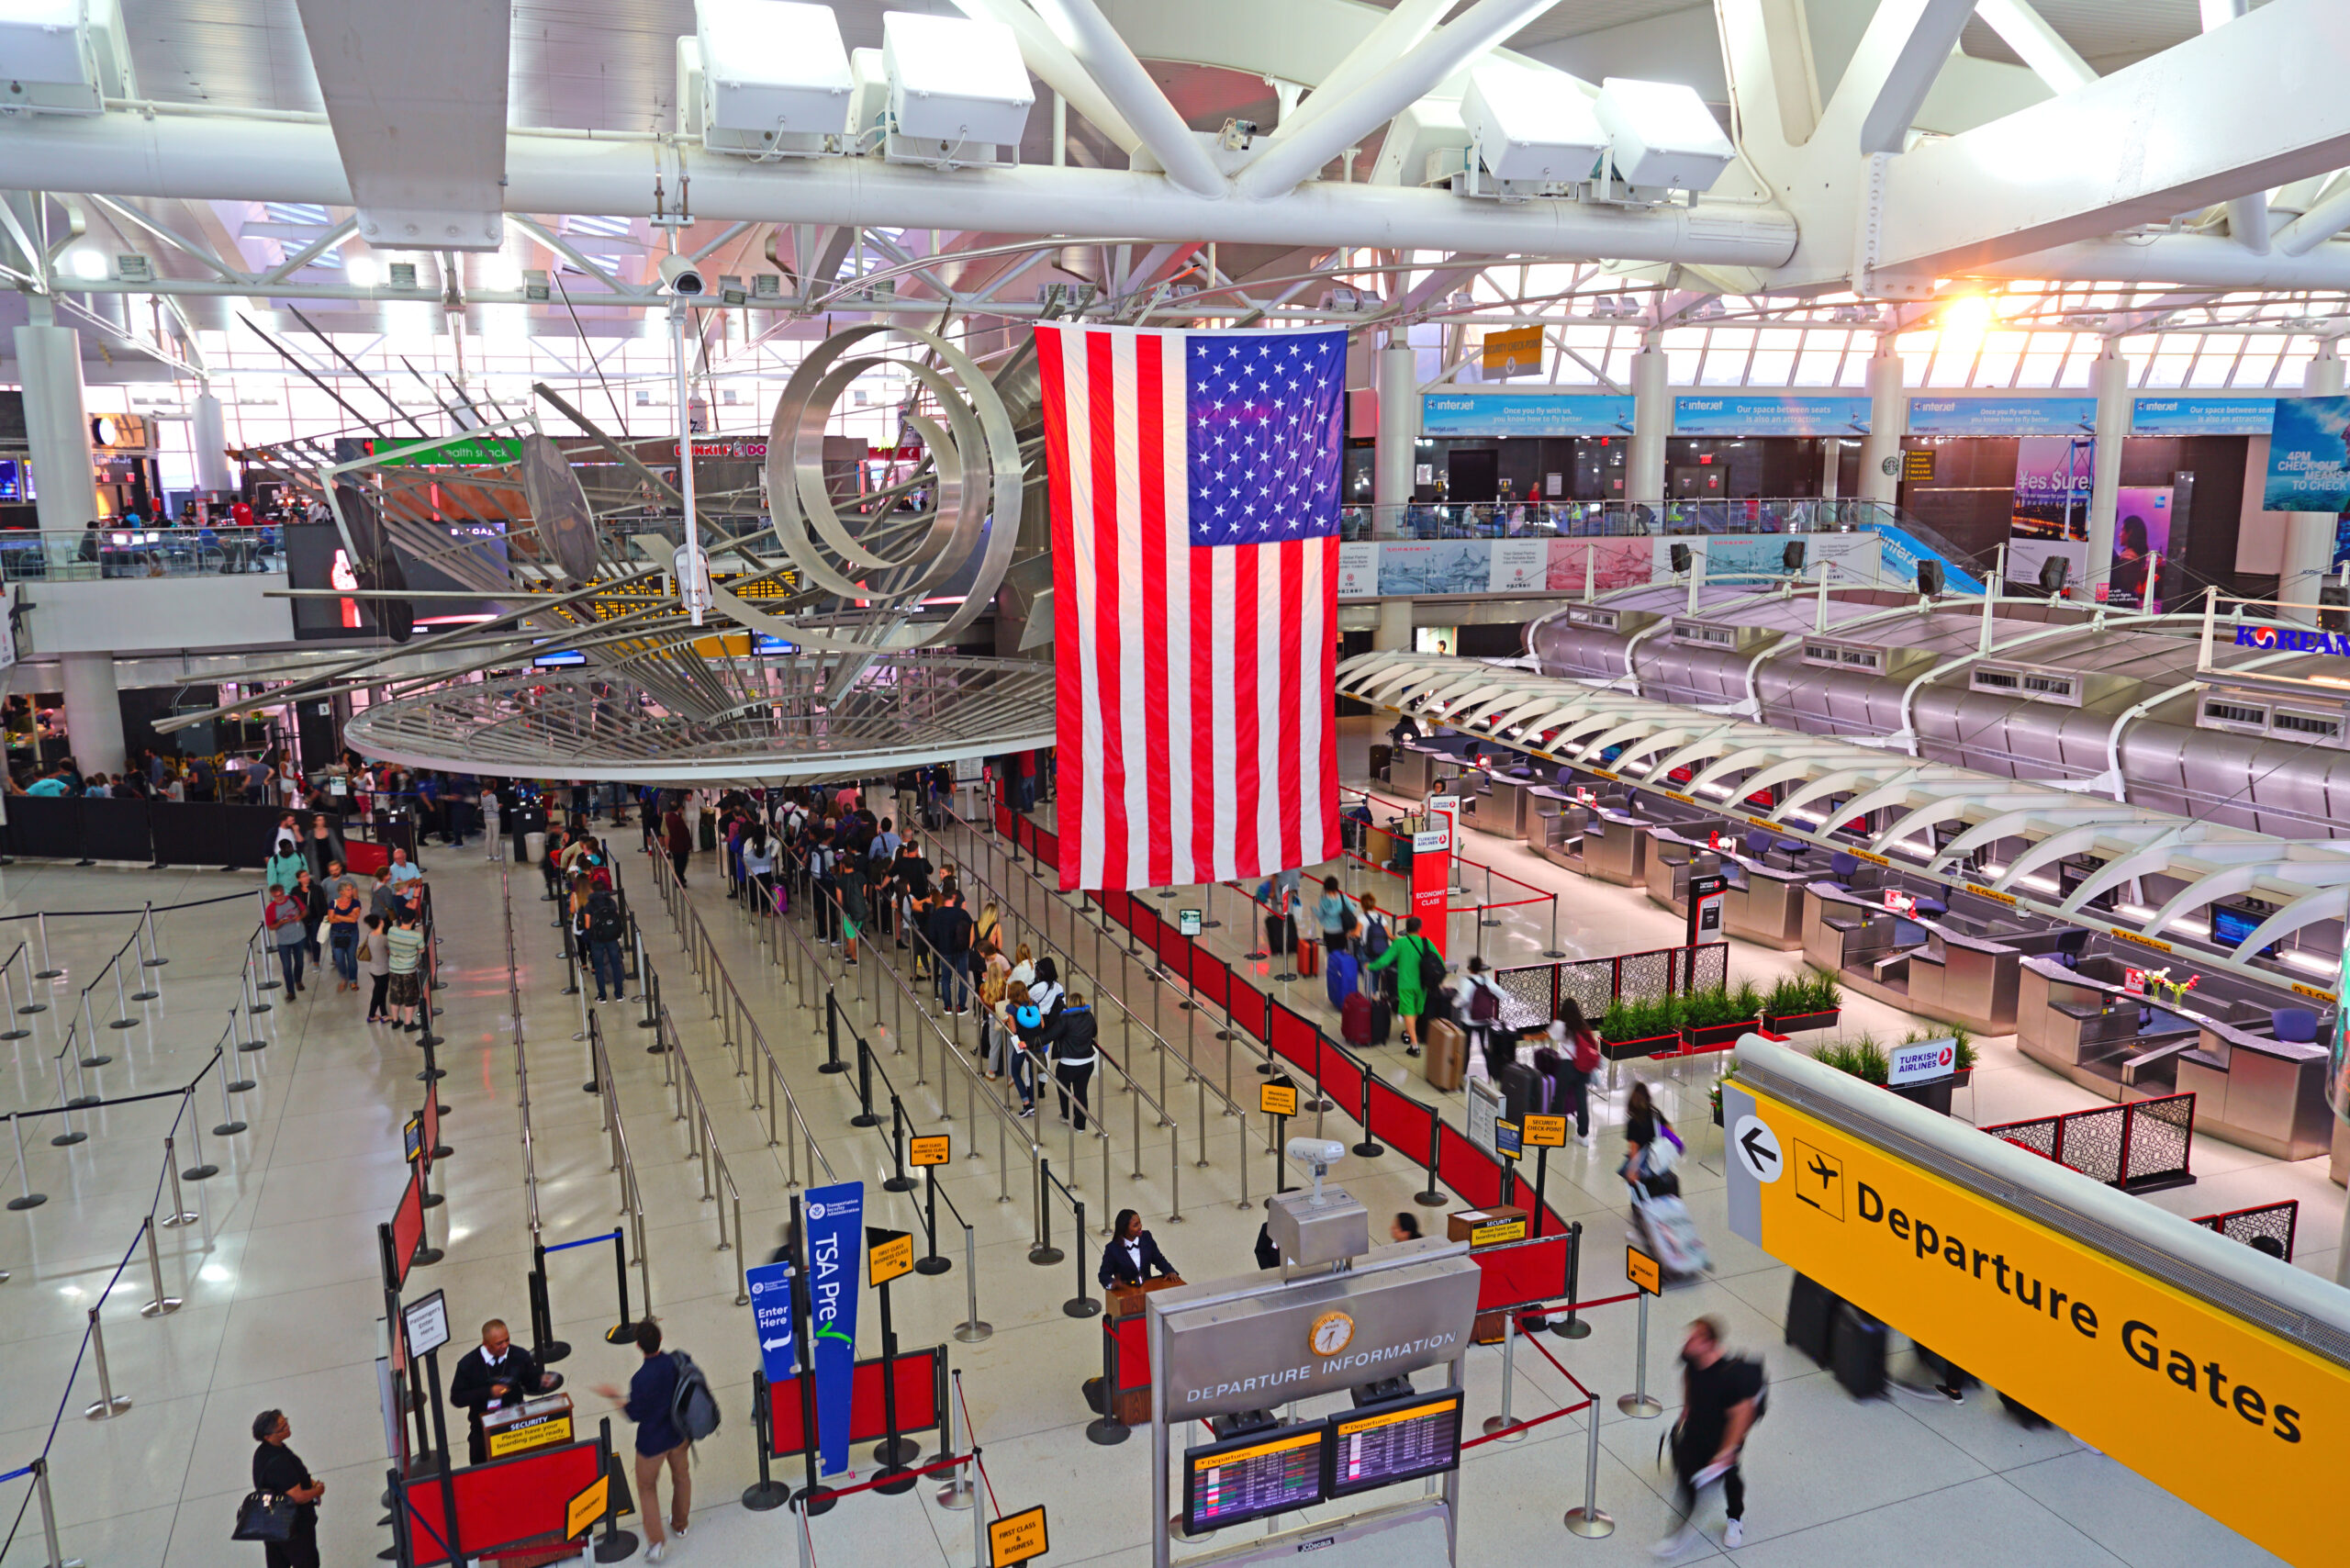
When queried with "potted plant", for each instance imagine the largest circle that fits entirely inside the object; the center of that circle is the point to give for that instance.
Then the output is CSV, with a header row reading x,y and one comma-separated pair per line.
x,y
1868,1061
1804,1001
1632,1028
1716,1018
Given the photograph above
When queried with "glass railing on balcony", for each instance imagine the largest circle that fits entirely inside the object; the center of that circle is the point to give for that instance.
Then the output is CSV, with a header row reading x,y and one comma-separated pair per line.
x,y
86,554
1606,520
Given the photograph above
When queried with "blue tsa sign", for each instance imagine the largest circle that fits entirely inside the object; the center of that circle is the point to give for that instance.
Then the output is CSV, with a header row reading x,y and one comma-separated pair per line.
x,y
835,1236
771,1319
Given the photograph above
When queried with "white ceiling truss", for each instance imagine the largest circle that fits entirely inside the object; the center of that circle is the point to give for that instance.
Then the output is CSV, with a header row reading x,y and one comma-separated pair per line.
x,y
1570,722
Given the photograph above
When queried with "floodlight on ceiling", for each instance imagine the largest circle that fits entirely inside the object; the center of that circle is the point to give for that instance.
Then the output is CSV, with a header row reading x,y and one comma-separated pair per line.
x,y
1533,130
958,90
1662,136
62,57
769,78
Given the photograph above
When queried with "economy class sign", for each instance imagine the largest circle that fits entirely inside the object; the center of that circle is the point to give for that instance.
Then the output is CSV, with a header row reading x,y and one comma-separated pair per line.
x,y
2251,1429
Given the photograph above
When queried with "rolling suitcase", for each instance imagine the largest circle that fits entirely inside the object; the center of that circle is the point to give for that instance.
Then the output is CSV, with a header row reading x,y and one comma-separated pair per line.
x,y
1355,1019
1859,1343
1382,1019
1446,1054
1811,1311
1309,955
1342,980
1519,1085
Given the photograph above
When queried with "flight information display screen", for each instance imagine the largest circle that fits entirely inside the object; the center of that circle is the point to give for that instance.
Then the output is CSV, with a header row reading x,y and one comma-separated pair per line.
x,y
1248,1477
1382,1444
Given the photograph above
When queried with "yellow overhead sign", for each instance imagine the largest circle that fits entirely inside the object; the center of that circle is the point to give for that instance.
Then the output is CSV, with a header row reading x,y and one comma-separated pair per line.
x,y
1507,351
2249,1428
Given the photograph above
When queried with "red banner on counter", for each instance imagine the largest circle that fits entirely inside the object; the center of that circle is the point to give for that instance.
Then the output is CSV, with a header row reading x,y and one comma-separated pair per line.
x,y
1432,877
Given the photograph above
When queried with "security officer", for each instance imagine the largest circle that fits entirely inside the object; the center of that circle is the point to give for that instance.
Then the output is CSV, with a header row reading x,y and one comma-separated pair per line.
x,y
494,1375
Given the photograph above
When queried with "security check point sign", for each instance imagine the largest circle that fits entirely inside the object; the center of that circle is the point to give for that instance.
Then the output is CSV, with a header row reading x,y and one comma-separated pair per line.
x,y
2241,1423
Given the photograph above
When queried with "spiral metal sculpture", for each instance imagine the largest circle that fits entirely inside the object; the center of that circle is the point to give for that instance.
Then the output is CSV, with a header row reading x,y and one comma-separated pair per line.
x,y
887,559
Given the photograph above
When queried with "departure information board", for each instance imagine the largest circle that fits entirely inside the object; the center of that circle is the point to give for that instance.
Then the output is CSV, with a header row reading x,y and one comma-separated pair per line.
x,y
1249,1477
1382,1444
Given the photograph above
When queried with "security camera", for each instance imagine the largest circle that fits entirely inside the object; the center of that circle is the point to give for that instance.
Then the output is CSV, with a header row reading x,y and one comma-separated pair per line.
x,y
681,277
1320,1152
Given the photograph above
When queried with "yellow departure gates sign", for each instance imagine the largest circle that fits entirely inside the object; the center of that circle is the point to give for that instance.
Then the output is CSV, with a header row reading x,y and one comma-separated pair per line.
x,y
2249,1428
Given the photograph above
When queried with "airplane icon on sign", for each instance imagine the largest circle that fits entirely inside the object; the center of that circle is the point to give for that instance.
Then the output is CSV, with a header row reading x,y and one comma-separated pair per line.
x,y
1820,1181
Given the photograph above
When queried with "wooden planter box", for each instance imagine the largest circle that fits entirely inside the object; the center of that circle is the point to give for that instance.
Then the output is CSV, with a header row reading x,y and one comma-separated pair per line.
x,y
1800,1023
1629,1050
1714,1036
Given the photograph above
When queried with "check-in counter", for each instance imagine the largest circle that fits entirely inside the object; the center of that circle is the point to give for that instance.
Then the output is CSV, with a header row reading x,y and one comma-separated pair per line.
x,y
1675,853
2250,1088
1919,965
1544,813
1765,904
1419,771
1600,841
1502,807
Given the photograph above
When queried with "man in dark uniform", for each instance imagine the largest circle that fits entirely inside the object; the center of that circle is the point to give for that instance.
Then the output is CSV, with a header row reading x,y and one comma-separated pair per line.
x,y
492,1376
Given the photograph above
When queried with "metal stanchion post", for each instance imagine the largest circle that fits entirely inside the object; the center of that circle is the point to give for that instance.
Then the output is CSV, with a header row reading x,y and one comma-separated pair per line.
x,y
9,987
109,1403
199,1170
1587,1520
155,958
1637,1404
92,1057
1503,1422
971,1330
48,971
57,1559
229,1127
26,1198
1572,1326
959,1493
181,1214
162,1303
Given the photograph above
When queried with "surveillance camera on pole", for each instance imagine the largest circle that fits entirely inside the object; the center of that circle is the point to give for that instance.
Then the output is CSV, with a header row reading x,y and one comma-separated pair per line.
x,y
680,279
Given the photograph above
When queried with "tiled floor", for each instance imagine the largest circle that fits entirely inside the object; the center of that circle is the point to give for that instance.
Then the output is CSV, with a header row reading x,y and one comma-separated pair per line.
x,y
279,1274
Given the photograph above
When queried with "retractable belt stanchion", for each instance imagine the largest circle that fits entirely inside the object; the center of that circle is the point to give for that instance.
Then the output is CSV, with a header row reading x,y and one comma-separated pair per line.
x,y
108,1403
1638,1404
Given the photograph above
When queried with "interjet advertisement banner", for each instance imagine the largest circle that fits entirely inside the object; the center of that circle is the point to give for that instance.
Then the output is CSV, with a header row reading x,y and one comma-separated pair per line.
x,y
2184,415
1524,413
1769,413
835,1232
2002,416
2308,469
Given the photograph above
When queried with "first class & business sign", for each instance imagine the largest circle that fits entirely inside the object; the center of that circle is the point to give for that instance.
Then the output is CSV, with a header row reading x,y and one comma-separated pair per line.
x,y
2242,1423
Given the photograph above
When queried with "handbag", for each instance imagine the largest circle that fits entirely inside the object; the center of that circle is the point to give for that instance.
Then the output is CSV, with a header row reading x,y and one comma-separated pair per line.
x,y
264,1516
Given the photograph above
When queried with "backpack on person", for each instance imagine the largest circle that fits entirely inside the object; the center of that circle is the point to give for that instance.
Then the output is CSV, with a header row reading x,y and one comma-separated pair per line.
x,y
692,1406
603,917
1432,966
1484,1002
1586,1052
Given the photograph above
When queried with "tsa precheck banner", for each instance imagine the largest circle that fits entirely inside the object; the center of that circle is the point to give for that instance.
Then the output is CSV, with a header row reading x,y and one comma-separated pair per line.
x,y
835,1236
2249,1427
2306,466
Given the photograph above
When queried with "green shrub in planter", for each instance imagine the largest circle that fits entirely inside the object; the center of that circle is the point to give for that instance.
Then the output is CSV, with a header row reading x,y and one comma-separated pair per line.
x,y
1863,1058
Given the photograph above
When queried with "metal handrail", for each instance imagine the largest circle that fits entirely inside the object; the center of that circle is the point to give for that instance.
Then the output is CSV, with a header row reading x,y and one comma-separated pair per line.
x,y
624,1159
742,1013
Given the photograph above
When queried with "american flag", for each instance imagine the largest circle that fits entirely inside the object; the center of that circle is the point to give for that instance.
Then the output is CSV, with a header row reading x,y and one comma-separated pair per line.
x,y
1194,481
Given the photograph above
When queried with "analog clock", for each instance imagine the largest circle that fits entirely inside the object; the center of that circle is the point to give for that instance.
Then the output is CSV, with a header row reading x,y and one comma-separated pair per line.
x,y
1332,1332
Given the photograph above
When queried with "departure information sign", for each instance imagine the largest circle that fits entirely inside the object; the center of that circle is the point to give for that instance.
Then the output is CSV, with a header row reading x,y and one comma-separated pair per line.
x,y
1386,1443
1248,1477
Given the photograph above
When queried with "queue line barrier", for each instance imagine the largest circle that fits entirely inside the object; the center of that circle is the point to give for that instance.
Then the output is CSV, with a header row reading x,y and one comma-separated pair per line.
x,y
1390,1116
233,837
2277,1222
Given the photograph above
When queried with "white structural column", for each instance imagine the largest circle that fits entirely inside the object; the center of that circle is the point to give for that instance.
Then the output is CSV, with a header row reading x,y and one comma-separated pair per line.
x,y
1888,423
1652,422
57,425
2109,379
92,711
209,431
2308,535
1393,465
1832,462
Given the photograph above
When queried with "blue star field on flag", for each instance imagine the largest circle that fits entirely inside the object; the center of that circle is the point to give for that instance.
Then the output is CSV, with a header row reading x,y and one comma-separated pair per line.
x,y
1267,430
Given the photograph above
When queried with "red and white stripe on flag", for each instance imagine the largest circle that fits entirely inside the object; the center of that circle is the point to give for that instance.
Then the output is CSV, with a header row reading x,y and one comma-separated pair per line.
x,y
1194,735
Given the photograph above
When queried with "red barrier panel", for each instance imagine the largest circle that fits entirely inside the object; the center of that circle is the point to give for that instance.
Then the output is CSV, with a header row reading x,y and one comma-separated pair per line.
x,y
918,1379
1172,948
499,1504
1342,1078
1143,923
1519,1273
1114,905
1212,979
1463,1167
1247,1009
1003,819
1130,1362
1398,1121
408,1227
1295,1040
